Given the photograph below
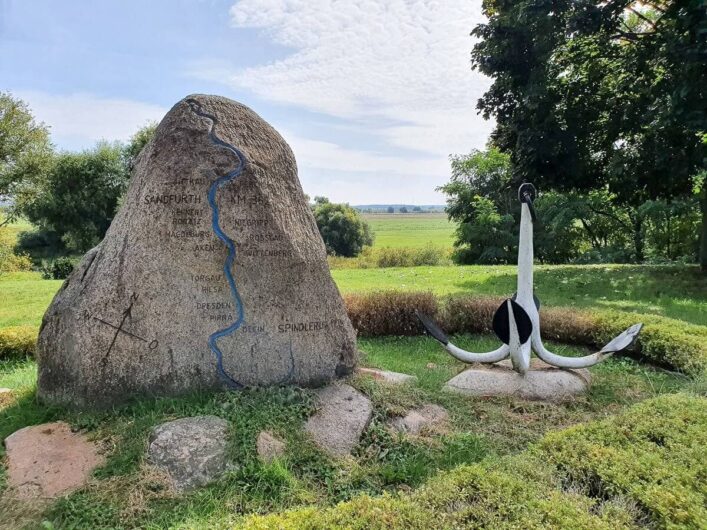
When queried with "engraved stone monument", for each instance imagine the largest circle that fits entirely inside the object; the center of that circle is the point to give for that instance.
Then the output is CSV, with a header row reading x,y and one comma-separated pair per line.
x,y
213,274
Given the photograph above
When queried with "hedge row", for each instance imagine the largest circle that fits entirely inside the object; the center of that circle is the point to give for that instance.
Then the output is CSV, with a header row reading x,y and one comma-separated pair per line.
x,y
642,468
381,257
678,345
17,342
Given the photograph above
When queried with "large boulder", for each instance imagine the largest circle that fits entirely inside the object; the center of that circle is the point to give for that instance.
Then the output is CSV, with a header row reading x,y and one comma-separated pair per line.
x,y
163,307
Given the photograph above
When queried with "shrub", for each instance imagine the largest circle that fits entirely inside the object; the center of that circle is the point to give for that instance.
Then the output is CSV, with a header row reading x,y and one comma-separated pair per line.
x,y
389,312
591,476
11,261
60,268
665,341
17,342
384,257
343,230
655,454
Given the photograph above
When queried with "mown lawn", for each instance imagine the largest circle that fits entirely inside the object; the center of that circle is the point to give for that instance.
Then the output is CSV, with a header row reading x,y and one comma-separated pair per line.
x,y
411,230
24,296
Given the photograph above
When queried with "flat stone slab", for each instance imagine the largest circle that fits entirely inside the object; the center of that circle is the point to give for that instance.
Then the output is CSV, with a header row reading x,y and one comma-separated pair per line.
x,y
269,446
542,382
343,413
49,460
418,420
191,450
389,377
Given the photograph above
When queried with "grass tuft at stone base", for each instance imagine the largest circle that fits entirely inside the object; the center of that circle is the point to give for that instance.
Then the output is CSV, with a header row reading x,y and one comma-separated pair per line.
x,y
644,467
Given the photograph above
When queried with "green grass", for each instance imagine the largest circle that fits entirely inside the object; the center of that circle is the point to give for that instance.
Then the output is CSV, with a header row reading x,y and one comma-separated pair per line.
x,y
411,230
642,468
25,296
127,493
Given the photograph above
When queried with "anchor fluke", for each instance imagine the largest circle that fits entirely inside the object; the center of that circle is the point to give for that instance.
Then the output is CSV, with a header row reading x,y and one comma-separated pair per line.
x,y
432,328
502,323
623,340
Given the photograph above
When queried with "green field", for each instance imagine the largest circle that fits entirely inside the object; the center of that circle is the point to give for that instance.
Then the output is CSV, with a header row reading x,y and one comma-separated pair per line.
x,y
411,230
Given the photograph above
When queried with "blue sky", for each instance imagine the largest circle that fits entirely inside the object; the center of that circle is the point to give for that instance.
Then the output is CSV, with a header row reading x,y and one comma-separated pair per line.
x,y
372,95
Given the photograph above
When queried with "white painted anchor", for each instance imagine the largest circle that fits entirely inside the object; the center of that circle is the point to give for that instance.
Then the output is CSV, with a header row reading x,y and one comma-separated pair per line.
x,y
517,320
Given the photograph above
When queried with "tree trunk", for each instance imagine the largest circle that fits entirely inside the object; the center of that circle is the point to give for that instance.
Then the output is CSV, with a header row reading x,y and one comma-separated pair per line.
x,y
638,237
703,232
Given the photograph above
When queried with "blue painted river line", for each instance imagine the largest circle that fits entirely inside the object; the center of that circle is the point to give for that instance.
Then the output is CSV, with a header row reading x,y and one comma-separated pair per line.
x,y
228,264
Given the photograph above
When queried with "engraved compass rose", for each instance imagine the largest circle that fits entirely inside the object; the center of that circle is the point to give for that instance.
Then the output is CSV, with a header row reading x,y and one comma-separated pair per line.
x,y
127,313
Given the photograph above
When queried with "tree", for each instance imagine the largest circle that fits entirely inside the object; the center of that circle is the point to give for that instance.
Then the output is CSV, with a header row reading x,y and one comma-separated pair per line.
x,y
486,238
79,196
598,95
417,209
25,150
390,209
343,230
480,200
137,143
403,209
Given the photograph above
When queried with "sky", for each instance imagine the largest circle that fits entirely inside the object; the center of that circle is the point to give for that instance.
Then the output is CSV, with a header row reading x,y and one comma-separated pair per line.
x,y
372,95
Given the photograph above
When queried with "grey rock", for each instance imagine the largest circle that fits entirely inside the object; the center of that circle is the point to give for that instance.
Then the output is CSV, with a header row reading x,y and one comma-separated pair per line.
x,y
269,446
191,450
388,377
159,275
418,420
343,413
542,382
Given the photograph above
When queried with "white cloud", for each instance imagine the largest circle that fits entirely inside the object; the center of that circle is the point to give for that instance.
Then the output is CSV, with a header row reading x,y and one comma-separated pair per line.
x,y
398,60
78,120
317,154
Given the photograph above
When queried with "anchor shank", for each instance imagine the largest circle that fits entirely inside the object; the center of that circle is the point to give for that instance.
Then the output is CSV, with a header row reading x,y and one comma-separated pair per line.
x,y
525,258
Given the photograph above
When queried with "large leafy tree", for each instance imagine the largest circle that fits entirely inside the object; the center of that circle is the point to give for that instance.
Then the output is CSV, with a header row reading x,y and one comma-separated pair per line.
x,y
591,95
79,195
25,150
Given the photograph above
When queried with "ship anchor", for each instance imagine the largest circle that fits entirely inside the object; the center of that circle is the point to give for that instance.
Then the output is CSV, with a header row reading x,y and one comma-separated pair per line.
x,y
517,320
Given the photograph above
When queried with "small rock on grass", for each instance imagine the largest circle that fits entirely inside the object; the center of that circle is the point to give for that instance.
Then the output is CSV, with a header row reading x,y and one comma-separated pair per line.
x,y
191,450
389,377
269,446
46,461
343,413
421,419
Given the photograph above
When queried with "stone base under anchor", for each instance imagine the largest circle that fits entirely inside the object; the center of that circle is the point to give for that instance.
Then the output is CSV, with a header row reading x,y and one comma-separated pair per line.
x,y
541,382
